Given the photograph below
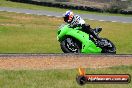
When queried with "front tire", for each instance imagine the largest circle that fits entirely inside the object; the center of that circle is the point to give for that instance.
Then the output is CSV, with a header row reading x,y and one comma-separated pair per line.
x,y
70,45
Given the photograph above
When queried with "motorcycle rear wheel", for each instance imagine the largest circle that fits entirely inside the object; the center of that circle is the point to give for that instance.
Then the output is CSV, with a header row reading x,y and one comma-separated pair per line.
x,y
110,48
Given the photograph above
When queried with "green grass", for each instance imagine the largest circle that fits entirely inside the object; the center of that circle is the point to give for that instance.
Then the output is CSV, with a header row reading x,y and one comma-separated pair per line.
x,y
6,3
21,33
57,78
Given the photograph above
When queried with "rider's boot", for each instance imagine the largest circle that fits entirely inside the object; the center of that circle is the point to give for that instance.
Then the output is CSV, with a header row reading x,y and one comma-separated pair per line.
x,y
95,33
97,30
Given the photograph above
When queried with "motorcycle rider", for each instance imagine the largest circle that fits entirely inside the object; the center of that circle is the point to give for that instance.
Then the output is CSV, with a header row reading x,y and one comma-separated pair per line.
x,y
77,21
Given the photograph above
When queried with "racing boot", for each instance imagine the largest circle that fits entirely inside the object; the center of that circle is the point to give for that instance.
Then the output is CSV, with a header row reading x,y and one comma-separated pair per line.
x,y
97,31
98,40
94,34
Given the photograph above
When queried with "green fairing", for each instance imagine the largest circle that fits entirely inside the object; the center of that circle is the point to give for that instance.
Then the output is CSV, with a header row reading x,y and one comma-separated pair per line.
x,y
87,45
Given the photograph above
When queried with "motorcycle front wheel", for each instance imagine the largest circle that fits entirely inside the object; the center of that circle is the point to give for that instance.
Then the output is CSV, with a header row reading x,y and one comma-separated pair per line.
x,y
70,45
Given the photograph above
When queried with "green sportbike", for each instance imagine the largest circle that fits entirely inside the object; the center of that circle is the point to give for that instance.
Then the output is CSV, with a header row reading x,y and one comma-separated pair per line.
x,y
73,40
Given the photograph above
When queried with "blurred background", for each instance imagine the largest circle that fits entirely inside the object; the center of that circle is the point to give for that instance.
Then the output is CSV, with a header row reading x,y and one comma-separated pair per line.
x,y
102,4
111,6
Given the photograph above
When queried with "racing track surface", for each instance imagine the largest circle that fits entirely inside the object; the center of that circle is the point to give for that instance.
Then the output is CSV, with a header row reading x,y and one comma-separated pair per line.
x,y
61,61
59,14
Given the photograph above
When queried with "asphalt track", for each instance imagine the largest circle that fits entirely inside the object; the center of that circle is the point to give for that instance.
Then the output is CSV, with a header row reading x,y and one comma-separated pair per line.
x,y
59,14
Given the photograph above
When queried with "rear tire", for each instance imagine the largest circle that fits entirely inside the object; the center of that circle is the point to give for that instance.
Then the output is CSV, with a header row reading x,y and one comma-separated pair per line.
x,y
110,48
70,45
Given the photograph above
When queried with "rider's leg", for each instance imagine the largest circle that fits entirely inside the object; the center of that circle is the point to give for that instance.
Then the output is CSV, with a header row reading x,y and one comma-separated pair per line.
x,y
87,29
94,33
